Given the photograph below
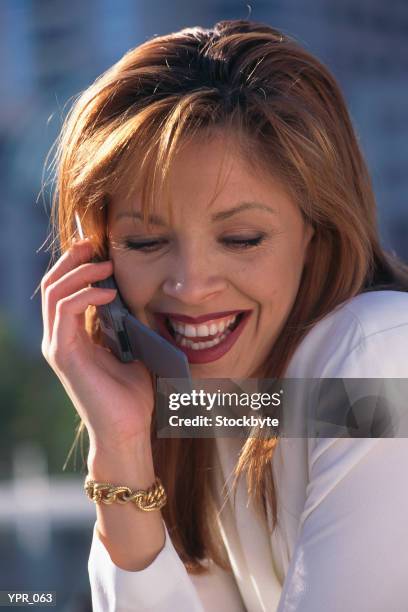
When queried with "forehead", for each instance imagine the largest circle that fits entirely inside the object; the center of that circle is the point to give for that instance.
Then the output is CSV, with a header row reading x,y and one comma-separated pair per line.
x,y
206,174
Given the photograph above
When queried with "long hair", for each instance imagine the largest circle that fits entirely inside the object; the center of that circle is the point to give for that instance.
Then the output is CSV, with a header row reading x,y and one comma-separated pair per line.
x,y
289,118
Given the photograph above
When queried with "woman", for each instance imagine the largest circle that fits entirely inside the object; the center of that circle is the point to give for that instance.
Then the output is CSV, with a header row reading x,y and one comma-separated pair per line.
x,y
219,176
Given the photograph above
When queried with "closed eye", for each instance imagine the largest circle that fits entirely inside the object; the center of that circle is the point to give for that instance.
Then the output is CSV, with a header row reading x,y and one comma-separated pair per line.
x,y
147,246
152,245
243,243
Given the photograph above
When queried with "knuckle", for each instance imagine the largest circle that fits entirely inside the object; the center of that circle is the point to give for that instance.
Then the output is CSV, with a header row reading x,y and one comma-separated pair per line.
x,y
48,293
54,358
55,355
44,350
63,305
45,281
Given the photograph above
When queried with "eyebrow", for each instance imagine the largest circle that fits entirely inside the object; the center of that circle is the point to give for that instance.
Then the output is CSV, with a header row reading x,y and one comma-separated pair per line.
x,y
152,218
219,216
226,214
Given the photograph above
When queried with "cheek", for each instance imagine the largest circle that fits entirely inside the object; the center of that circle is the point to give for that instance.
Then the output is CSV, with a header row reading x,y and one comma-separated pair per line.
x,y
291,258
273,279
137,282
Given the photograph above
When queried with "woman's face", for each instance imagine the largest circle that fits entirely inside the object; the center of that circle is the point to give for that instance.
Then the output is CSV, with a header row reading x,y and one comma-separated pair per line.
x,y
220,277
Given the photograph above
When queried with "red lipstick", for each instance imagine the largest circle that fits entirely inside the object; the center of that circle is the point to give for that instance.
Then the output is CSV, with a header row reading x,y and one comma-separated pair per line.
x,y
201,319
205,355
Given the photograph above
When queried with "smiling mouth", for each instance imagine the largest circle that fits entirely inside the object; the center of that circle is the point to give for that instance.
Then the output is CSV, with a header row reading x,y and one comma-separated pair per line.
x,y
206,341
202,336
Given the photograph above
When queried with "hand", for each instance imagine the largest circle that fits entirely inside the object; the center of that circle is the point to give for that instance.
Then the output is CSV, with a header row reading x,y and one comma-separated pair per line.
x,y
114,399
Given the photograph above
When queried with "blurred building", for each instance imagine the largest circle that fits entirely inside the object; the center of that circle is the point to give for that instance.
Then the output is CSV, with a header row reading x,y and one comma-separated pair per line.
x,y
51,50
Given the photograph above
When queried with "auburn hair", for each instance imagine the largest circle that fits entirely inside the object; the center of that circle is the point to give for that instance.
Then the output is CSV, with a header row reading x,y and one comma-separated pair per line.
x,y
288,116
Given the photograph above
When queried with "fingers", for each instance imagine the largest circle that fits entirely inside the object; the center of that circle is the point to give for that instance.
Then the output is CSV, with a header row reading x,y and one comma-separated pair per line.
x,y
65,287
80,252
69,283
69,311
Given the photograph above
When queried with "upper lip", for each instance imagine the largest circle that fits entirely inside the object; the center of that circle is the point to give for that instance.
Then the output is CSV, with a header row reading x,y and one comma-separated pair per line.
x,y
202,318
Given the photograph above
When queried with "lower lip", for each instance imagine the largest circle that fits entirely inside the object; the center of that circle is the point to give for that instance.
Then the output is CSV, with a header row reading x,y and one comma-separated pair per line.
x,y
208,354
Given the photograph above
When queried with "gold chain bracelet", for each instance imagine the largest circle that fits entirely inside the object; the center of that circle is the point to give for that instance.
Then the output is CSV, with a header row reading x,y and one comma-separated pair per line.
x,y
152,498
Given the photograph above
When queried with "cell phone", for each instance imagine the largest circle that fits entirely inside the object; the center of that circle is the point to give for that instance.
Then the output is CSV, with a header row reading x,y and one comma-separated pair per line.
x,y
131,340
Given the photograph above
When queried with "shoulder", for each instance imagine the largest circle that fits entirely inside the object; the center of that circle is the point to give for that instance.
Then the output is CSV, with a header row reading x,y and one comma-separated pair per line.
x,y
366,336
378,311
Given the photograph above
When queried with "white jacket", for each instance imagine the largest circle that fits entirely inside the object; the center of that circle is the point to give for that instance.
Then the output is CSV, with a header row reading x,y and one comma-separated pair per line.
x,y
342,537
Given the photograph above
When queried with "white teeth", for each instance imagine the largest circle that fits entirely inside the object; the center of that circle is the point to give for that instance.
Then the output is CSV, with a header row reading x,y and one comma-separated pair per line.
x,y
197,346
202,330
190,331
213,329
179,327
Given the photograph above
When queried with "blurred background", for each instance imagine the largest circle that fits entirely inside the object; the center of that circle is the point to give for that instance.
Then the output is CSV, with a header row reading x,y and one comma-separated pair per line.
x,y
50,50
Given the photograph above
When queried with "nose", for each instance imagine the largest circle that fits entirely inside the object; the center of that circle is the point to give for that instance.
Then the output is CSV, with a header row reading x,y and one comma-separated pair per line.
x,y
193,280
